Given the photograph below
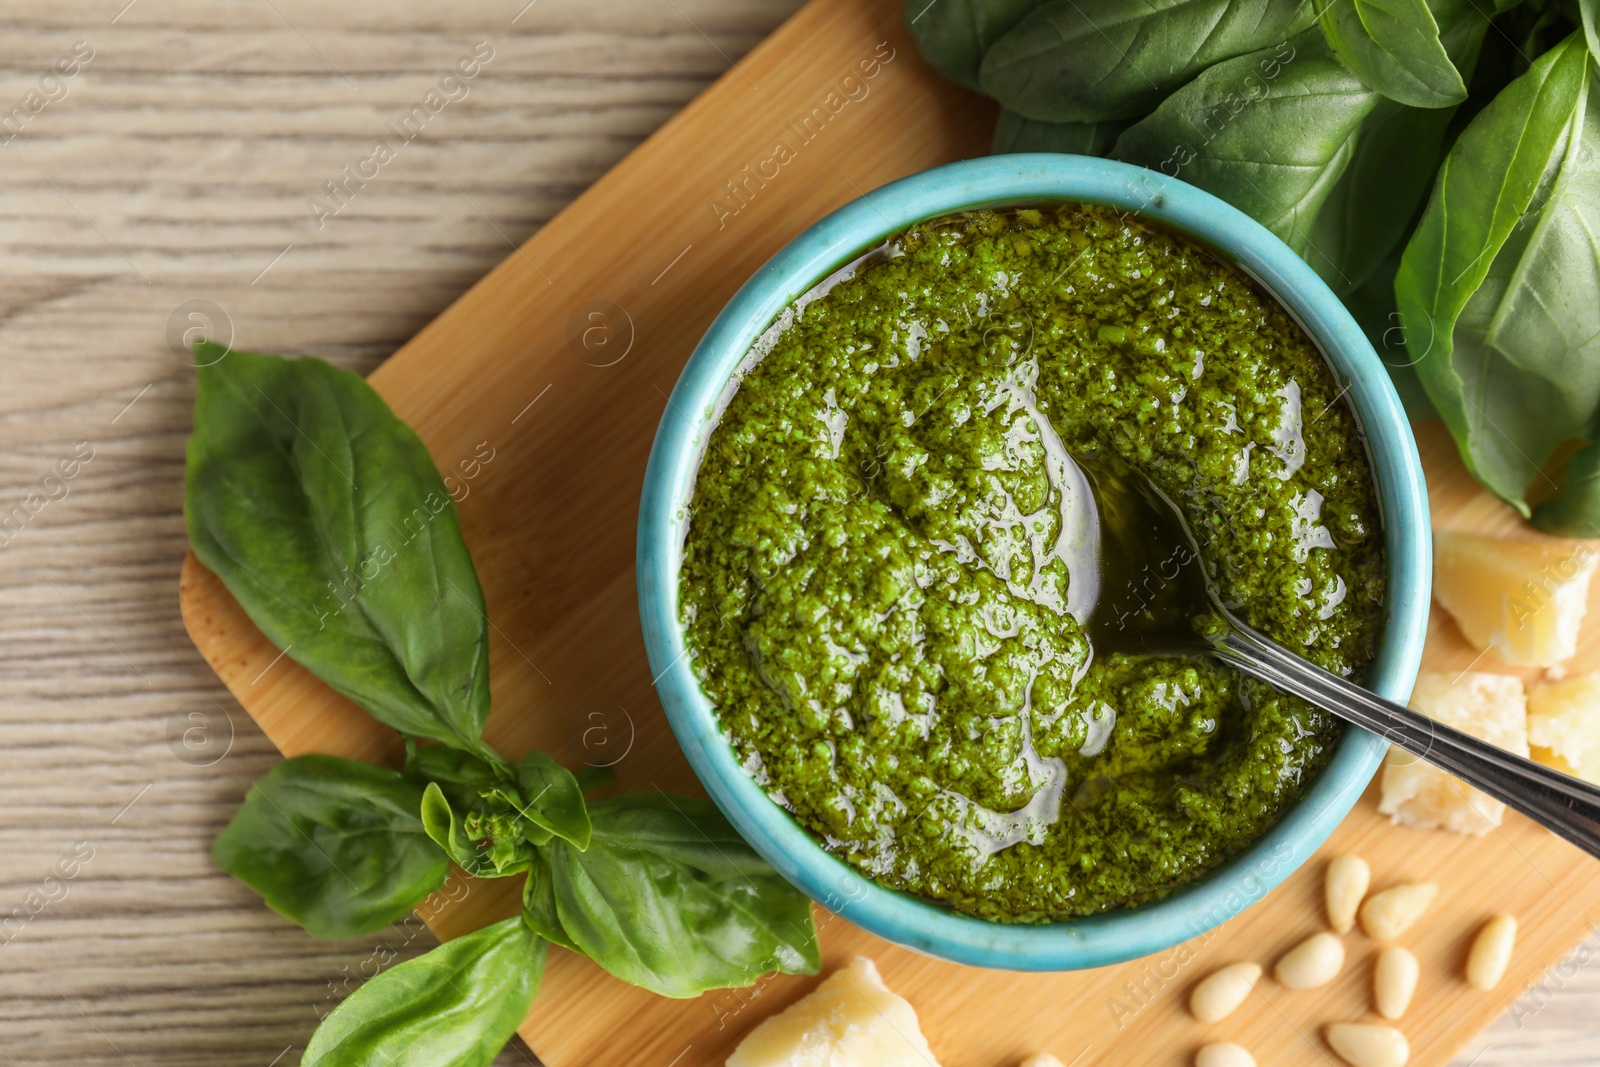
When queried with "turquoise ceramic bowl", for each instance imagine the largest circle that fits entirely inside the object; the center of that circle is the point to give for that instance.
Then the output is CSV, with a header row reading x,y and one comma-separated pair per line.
x,y
669,482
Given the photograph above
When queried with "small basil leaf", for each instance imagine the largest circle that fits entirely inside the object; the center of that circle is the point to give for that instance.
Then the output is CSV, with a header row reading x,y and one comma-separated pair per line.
x,y
1393,46
486,844
1497,285
1093,60
456,1005
953,35
1017,133
325,517
505,802
668,898
1589,11
461,774
539,906
334,845
554,798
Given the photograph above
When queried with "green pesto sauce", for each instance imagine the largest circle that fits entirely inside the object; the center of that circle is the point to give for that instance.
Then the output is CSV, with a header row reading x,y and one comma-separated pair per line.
x,y
876,603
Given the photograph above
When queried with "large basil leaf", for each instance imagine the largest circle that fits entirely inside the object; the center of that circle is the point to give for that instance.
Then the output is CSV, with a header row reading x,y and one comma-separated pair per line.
x,y
1093,60
1589,12
1499,281
1014,133
953,35
455,1006
1393,46
670,898
326,519
1368,212
334,845
1271,133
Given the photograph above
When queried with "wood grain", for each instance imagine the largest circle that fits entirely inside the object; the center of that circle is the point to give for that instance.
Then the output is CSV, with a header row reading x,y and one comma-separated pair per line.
x,y
177,168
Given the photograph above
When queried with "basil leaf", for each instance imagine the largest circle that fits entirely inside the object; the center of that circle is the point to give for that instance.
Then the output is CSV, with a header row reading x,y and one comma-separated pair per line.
x,y
462,775
1371,209
688,830
1589,13
953,35
539,906
334,845
485,843
1576,512
554,799
1093,60
1373,307
592,778
326,519
1271,133
1393,46
1498,282
1367,213
1015,133
668,897
456,1005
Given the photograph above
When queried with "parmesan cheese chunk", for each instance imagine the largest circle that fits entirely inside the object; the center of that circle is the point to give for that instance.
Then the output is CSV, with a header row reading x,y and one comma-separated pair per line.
x,y
1523,599
850,1020
1564,725
1492,707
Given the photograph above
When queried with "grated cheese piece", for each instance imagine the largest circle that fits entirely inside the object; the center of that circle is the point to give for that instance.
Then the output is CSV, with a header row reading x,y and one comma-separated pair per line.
x,y
850,1020
1524,599
1564,725
1492,707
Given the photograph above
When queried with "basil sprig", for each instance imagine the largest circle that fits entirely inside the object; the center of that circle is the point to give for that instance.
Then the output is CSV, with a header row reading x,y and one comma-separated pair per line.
x,y
324,516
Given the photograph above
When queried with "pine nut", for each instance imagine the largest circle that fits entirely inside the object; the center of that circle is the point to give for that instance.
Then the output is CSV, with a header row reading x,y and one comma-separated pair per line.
x,y
1348,879
1223,1054
1491,952
1314,962
1389,914
1221,992
1394,980
1368,1045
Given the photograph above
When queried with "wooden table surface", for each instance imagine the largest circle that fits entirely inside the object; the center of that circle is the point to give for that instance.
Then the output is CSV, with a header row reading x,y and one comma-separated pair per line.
x,y
169,181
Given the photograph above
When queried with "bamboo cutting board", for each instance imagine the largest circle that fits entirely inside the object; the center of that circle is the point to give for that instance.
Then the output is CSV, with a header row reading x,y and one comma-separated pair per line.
x,y
538,393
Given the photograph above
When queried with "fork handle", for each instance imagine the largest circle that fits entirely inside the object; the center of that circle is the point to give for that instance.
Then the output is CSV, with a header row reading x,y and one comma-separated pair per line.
x,y
1563,804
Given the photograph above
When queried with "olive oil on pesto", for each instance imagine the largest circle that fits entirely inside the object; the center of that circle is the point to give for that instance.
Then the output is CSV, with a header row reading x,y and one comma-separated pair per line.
x,y
877,582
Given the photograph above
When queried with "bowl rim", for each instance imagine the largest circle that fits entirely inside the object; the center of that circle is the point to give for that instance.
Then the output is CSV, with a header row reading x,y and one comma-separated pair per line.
x,y
834,240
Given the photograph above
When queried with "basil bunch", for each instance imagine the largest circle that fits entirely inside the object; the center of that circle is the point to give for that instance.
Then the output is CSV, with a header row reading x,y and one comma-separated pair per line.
x,y
1434,160
325,517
